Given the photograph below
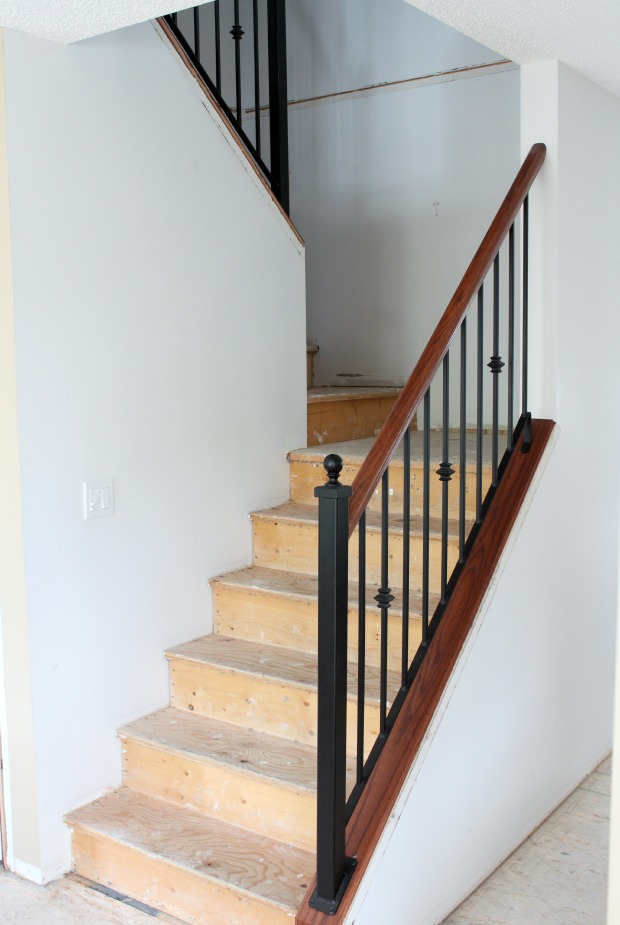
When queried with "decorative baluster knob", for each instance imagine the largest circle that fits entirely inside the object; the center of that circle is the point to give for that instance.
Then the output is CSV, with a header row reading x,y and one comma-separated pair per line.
x,y
445,472
496,365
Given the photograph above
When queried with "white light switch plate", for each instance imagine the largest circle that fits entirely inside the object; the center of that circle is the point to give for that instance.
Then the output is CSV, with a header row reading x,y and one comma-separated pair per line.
x,y
98,498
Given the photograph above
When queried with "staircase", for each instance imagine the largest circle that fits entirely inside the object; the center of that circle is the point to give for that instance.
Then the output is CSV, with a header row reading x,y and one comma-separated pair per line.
x,y
216,820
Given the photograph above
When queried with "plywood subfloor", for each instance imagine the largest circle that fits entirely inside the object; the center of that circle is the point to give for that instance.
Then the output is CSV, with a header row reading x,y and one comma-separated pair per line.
x,y
70,902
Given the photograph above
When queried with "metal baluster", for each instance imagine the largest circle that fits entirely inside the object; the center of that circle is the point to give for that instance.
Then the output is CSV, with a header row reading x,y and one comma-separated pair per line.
x,y
218,50
511,333
406,551
197,32
426,509
361,649
237,34
384,599
495,365
278,101
463,439
256,78
479,404
445,473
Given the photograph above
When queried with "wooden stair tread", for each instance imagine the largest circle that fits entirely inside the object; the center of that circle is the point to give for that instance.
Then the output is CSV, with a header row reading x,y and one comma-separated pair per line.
x,y
295,512
189,734
354,452
290,666
305,587
325,394
254,864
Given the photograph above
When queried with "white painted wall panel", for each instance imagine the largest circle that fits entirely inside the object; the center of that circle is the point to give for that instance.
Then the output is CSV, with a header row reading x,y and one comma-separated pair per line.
x,y
160,324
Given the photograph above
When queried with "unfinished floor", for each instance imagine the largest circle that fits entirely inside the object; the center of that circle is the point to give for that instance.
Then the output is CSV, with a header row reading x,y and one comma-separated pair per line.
x,y
559,874
557,877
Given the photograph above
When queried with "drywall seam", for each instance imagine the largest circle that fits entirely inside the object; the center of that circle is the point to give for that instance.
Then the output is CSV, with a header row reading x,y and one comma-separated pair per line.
x,y
16,721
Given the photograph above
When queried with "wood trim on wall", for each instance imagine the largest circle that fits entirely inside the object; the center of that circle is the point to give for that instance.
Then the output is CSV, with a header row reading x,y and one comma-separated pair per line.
x,y
167,31
386,782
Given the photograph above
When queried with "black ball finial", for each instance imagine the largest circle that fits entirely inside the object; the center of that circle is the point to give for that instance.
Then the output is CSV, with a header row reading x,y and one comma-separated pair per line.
x,y
333,466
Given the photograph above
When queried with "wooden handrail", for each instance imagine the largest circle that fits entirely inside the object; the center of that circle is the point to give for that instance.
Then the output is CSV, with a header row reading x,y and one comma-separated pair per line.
x,y
400,417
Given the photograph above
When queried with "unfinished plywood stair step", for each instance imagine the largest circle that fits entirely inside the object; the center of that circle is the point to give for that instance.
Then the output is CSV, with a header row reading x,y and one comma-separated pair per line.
x,y
267,688
286,537
230,772
306,472
345,413
281,608
202,870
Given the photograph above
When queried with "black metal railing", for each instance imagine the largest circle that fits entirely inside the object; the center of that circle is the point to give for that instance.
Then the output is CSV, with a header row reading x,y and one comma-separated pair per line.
x,y
238,48
413,528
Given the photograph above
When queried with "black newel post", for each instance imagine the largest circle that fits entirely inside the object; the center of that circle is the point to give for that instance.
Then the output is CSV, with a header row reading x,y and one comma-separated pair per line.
x,y
332,865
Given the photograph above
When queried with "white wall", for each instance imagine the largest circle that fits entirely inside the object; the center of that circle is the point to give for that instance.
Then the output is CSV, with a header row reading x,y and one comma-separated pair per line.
x,y
391,190
613,910
529,710
159,321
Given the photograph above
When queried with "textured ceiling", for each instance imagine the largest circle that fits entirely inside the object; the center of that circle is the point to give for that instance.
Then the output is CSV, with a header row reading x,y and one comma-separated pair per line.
x,y
584,34
70,20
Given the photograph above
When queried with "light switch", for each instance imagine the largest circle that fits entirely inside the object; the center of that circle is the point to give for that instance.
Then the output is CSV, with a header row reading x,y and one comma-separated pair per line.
x,y
98,498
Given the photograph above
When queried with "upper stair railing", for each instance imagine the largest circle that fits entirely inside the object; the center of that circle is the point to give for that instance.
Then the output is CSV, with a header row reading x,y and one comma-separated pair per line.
x,y
425,541
247,77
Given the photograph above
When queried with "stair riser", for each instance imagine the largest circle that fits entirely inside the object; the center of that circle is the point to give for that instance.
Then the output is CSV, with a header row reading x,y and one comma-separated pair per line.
x,y
333,421
187,895
263,704
292,546
259,804
306,475
275,619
